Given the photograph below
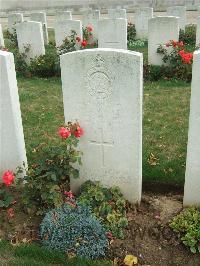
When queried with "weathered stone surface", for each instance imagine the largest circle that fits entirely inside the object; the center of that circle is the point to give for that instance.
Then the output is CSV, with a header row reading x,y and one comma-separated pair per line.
x,y
91,17
142,16
41,17
112,33
178,11
1,37
30,35
13,20
63,15
117,13
198,32
192,176
161,31
64,28
102,90
12,147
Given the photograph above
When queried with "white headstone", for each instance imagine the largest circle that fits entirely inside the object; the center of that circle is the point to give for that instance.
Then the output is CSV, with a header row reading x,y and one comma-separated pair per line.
x,y
112,33
41,17
161,31
1,37
142,16
13,20
63,15
64,29
30,34
178,11
117,13
91,17
198,32
12,146
192,176
102,90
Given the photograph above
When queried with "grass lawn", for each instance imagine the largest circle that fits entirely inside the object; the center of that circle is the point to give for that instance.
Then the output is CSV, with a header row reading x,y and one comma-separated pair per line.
x,y
166,110
33,255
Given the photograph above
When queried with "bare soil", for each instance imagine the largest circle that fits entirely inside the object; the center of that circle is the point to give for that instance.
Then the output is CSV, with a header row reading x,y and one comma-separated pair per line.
x,y
149,237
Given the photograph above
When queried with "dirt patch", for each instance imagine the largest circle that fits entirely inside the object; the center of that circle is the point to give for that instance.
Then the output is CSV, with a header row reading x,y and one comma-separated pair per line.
x,y
149,237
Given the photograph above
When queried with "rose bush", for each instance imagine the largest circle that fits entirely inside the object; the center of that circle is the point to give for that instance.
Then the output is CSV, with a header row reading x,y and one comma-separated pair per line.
x,y
177,59
46,181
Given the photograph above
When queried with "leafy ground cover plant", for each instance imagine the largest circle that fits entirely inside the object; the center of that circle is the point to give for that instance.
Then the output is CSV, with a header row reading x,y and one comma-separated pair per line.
x,y
46,181
108,205
73,229
187,225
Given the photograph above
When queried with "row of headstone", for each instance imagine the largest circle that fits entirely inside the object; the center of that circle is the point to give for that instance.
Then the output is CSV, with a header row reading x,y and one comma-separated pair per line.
x,y
105,112
104,106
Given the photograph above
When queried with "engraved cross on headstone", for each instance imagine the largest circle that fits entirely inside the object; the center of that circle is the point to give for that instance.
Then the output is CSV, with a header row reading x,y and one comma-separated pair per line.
x,y
103,144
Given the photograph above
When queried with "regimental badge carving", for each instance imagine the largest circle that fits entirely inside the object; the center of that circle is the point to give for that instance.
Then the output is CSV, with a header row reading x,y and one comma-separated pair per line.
x,y
99,79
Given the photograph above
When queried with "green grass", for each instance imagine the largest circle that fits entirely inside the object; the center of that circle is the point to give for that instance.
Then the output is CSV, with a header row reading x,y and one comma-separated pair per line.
x,y
34,255
165,124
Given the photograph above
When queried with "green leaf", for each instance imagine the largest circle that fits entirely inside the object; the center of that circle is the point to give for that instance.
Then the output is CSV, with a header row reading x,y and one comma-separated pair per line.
x,y
193,250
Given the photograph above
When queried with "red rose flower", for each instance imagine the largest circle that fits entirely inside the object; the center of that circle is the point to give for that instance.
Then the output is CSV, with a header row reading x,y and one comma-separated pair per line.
x,y
69,194
84,43
78,39
174,43
64,132
89,28
8,178
109,235
78,132
181,44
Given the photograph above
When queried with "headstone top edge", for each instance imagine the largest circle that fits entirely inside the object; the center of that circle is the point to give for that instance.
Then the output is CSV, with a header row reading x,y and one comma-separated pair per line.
x,y
111,50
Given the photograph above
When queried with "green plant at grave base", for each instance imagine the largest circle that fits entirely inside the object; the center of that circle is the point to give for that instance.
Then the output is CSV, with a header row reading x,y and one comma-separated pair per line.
x,y
108,205
12,37
187,225
155,73
137,44
48,179
21,66
74,230
131,33
188,36
46,65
